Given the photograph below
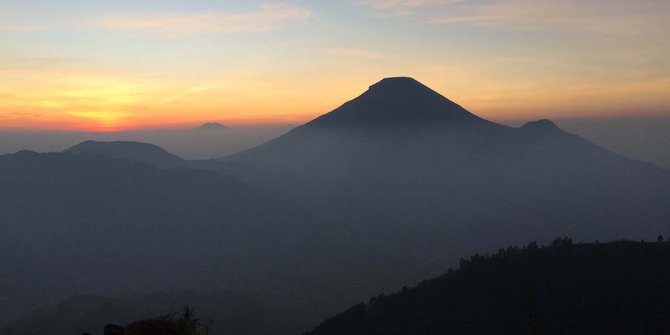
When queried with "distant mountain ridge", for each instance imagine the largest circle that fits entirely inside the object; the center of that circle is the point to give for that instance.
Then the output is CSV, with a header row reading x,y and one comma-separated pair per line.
x,y
137,151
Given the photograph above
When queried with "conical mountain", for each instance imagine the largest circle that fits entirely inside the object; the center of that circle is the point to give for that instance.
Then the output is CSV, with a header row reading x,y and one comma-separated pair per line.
x,y
398,181
397,102
397,120
401,152
393,106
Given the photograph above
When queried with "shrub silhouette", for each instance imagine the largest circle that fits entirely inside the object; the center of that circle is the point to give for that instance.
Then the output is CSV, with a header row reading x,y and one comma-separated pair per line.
x,y
186,324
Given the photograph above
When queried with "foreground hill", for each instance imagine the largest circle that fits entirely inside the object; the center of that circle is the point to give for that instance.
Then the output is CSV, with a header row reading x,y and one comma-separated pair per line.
x,y
612,288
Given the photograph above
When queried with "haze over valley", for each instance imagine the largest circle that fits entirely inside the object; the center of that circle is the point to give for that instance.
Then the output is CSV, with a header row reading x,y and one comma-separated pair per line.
x,y
341,167
397,178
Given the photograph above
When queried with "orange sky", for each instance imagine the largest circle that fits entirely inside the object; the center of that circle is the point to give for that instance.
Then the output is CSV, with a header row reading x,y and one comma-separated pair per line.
x,y
83,66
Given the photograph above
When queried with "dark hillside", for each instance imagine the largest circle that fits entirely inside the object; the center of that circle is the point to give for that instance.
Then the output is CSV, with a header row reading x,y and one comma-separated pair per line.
x,y
612,288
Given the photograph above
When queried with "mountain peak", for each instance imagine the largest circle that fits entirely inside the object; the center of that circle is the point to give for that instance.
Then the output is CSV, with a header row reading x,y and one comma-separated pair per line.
x,y
401,88
397,102
397,83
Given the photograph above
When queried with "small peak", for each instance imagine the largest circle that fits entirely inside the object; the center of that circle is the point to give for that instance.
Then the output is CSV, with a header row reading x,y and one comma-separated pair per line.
x,y
211,126
543,124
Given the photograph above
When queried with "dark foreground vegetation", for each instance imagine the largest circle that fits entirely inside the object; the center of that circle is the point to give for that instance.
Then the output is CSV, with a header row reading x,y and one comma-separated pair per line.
x,y
186,324
217,313
565,288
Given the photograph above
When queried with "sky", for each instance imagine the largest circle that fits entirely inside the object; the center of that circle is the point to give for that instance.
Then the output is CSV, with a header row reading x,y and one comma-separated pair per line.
x,y
79,65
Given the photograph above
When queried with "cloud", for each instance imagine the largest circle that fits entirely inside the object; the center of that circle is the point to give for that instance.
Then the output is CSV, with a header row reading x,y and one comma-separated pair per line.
x,y
404,7
550,15
14,115
355,53
17,28
26,61
596,16
184,93
265,18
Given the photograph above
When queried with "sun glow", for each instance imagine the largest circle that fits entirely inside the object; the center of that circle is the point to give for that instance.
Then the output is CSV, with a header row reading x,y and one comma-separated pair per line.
x,y
94,66
102,120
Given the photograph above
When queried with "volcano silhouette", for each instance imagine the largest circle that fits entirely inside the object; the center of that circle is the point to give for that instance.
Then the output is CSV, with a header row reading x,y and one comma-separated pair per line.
x,y
401,147
397,102
396,120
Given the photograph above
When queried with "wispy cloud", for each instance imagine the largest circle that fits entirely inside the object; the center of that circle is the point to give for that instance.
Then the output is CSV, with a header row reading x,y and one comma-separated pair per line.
x,y
265,18
184,93
355,53
619,17
604,17
27,61
17,28
404,7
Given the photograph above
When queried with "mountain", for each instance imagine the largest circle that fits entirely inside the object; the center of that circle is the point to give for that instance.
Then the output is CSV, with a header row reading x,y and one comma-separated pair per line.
x,y
137,151
402,177
401,129
211,127
612,288
398,103
402,153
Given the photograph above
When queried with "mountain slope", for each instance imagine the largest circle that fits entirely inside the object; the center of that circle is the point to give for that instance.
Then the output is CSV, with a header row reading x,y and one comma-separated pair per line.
x,y
613,288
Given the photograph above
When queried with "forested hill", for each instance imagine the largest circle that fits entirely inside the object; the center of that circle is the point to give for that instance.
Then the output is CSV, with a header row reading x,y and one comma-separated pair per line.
x,y
609,288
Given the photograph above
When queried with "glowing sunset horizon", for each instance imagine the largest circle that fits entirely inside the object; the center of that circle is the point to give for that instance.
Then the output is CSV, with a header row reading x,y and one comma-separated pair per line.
x,y
80,66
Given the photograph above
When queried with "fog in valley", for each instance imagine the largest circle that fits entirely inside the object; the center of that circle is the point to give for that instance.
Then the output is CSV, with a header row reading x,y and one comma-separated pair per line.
x,y
359,167
188,143
644,138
